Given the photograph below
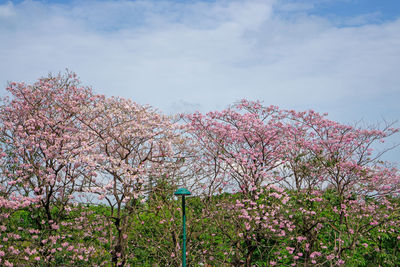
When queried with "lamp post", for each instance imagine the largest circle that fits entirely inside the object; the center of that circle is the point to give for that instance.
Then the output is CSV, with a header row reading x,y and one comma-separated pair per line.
x,y
183,192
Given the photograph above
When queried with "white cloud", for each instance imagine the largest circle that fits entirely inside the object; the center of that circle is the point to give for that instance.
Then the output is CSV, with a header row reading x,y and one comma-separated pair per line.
x,y
7,10
169,54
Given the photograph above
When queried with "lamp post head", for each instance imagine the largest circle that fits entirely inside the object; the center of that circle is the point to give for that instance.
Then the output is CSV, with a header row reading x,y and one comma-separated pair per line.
x,y
182,192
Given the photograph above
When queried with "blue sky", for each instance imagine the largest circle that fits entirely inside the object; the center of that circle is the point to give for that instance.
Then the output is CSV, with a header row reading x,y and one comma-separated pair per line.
x,y
383,10
336,56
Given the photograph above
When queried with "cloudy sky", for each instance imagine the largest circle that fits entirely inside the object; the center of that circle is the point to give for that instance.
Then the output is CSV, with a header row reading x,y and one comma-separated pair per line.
x,y
336,56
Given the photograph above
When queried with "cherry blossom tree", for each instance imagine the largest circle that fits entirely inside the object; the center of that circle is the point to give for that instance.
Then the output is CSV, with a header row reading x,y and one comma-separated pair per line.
x,y
334,168
244,144
41,143
41,140
87,179
314,160
132,152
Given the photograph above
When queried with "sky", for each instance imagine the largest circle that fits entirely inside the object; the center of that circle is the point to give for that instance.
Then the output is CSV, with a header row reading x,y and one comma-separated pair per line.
x,y
335,56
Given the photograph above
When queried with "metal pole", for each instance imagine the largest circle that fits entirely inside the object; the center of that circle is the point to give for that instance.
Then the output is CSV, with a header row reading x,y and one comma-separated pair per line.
x,y
183,192
184,232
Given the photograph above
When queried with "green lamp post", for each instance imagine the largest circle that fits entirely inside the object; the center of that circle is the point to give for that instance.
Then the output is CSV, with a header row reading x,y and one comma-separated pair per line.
x,y
183,192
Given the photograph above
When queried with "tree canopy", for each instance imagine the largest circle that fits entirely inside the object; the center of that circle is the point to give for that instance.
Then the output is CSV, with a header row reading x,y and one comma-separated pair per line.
x,y
88,180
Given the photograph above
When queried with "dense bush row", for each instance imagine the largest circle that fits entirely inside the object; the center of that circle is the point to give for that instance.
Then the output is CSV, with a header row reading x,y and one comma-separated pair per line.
x,y
88,180
85,236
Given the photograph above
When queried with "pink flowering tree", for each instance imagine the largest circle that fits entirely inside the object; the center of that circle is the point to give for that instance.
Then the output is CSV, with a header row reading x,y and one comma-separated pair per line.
x,y
241,151
40,149
133,153
325,168
41,140
89,180
242,145
332,169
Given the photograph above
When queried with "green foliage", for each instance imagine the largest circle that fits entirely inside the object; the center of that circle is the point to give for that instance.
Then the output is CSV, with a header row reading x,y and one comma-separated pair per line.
x,y
155,237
